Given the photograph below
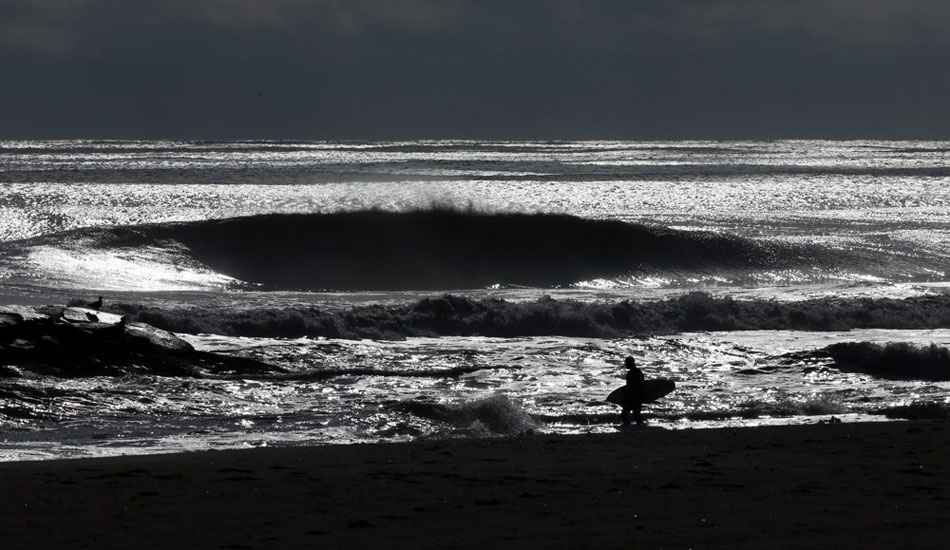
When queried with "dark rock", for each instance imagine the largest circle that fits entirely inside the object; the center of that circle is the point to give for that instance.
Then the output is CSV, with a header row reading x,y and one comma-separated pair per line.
x,y
157,337
21,345
9,372
10,319
73,342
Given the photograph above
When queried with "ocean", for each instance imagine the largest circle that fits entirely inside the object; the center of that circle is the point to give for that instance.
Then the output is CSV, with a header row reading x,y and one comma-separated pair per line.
x,y
387,291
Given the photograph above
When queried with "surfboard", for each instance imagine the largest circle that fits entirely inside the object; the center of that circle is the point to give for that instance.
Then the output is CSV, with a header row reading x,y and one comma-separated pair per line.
x,y
653,389
86,315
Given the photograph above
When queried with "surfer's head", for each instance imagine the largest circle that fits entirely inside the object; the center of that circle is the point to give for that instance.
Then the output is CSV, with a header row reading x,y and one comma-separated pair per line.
x,y
630,362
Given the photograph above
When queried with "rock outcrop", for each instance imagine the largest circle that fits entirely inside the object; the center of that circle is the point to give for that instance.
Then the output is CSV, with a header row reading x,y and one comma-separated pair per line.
x,y
79,342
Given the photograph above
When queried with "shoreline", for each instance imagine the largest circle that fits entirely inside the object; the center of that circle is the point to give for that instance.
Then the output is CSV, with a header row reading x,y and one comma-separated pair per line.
x,y
877,484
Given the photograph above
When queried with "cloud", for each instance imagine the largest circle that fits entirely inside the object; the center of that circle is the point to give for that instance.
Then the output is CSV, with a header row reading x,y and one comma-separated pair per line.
x,y
738,24
473,68
76,26
61,27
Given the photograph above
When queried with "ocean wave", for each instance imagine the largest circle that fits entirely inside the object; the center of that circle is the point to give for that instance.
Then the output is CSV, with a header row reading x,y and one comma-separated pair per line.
x,y
438,249
501,168
925,410
454,315
20,401
894,360
897,360
494,415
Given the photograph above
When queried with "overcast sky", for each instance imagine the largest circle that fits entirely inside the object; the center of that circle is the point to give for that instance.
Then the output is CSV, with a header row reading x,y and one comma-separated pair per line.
x,y
515,69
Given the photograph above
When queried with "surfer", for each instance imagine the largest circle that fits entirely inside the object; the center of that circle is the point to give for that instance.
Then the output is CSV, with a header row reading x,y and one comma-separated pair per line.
x,y
633,397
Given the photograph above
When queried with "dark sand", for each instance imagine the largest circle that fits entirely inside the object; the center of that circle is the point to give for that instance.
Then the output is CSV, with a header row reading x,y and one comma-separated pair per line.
x,y
822,486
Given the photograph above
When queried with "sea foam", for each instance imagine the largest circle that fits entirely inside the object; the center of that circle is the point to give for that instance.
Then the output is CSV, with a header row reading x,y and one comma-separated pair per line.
x,y
455,315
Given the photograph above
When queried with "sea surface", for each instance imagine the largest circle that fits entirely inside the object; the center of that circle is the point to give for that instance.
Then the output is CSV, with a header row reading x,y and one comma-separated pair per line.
x,y
428,289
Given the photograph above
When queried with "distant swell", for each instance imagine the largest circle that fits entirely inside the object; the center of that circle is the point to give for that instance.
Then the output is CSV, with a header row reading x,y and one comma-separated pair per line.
x,y
452,315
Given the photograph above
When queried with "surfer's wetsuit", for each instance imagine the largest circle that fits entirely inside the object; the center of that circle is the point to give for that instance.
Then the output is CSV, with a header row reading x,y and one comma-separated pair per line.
x,y
633,397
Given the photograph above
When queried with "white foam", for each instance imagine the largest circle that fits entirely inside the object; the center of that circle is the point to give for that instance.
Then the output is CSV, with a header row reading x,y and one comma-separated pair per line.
x,y
140,269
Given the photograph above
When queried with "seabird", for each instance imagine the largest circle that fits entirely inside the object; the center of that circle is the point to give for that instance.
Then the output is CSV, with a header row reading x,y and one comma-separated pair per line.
x,y
95,305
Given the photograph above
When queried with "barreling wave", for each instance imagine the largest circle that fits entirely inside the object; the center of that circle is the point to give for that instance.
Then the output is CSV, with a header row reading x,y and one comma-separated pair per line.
x,y
437,249
452,315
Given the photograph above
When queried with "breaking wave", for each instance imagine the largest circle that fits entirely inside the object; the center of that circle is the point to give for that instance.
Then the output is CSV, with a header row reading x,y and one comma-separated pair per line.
x,y
453,315
894,360
437,249
897,360
926,410
495,415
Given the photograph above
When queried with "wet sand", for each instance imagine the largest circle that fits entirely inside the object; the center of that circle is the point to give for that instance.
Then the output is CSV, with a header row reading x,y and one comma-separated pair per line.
x,y
847,485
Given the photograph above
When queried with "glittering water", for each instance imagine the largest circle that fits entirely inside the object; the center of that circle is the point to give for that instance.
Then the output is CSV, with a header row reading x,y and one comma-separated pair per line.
x,y
542,384
887,201
750,187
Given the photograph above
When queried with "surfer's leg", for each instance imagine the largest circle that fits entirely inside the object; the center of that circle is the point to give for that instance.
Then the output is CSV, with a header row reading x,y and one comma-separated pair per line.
x,y
625,416
637,415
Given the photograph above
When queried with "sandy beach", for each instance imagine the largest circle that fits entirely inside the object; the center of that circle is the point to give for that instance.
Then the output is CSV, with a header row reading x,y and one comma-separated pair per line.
x,y
880,485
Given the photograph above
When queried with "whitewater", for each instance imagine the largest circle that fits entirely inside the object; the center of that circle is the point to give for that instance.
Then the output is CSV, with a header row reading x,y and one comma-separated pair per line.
x,y
388,291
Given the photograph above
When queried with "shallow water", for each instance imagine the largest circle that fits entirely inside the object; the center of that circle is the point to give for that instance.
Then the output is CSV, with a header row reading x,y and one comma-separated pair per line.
x,y
365,391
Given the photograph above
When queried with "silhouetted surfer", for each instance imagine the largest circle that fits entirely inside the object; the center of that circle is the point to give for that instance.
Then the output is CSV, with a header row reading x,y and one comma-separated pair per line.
x,y
97,305
633,397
